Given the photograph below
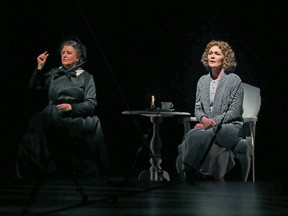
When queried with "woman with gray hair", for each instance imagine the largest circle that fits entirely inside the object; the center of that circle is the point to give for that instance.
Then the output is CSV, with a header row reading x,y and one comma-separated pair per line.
x,y
66,136
207,148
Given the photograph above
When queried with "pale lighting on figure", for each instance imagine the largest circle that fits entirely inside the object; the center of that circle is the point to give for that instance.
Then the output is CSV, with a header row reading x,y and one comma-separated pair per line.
x,y
152,102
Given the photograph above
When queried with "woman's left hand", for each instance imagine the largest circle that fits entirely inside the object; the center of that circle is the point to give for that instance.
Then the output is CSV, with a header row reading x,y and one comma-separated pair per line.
x,y
199,125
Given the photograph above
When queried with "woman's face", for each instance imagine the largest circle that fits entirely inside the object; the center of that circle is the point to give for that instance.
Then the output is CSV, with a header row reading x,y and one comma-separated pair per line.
x,y
215,57
68,56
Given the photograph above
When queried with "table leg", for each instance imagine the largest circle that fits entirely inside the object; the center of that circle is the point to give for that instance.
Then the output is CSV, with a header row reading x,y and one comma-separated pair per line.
x,y
155,172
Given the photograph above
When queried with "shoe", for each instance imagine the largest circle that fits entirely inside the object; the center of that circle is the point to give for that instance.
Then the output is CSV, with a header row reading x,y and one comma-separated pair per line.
x,y
191,176
219,178
182,176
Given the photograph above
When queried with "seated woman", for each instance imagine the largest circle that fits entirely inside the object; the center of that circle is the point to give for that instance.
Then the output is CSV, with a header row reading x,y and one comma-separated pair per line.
x,y
207,148
66,136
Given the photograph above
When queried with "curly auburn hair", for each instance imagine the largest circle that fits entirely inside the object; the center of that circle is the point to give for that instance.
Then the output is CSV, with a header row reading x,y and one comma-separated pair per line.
x,y
229,62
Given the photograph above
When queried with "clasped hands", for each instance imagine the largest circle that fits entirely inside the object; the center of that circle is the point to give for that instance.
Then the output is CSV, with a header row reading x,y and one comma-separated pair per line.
x,y
64,107
205,123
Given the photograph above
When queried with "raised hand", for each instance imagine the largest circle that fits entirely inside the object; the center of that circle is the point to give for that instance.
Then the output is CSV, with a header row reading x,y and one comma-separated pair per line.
x,y
41,59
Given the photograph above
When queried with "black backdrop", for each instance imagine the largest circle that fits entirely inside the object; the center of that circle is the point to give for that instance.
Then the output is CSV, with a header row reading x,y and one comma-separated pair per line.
x,y
139,48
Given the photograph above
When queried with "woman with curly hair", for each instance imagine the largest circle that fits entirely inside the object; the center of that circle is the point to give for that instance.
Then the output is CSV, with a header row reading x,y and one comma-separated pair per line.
x,y
208,148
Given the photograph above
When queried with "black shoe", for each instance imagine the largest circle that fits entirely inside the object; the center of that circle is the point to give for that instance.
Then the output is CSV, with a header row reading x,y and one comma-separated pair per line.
x,y
191,176
182,176
219,179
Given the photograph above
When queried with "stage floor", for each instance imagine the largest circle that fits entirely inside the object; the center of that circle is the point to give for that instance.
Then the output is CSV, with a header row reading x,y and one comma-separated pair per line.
x,y
113,196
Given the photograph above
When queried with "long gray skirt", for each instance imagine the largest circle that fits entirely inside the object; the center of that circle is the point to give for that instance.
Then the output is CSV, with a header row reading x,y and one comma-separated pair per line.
x,y
220,157
47,148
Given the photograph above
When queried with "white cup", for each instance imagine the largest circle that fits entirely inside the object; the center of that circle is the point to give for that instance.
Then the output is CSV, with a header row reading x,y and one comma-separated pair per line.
x,y
166,105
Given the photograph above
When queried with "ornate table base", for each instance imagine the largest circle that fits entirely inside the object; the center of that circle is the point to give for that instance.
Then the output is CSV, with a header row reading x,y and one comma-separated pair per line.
x,y
155,173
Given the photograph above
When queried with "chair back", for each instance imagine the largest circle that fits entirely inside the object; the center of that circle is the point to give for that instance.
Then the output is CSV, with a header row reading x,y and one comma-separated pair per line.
x,y
251,101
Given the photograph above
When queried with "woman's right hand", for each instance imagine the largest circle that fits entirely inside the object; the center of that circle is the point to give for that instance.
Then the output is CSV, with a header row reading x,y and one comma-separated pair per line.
x,y
208,122
41,59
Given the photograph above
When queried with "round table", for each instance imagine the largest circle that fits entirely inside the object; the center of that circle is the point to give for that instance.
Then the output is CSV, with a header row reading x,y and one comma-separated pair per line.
x,y
155,173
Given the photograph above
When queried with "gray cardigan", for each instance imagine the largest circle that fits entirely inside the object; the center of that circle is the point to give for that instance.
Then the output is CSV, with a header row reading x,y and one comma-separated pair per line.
x,y
227,102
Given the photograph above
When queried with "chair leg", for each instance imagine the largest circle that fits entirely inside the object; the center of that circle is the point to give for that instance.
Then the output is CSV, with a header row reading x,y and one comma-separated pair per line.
x,y
36,186
245,167
243,154
253,169
79,188
252,142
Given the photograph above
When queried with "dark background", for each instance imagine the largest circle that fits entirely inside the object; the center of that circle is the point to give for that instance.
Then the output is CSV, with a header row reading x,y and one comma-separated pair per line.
x,y
144,47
